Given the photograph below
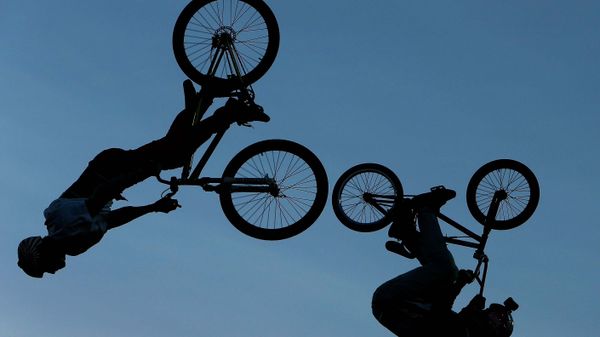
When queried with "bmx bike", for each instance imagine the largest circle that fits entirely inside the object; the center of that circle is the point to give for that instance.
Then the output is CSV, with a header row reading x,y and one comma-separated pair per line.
x,y
273,189
501,195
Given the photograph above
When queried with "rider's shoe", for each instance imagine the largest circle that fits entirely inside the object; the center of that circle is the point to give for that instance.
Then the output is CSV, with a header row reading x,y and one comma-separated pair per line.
x,y
404,214
190,95
403,221
404,228
434,199
245,112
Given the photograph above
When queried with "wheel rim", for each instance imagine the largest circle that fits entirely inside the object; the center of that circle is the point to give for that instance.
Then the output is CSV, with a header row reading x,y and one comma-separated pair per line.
x,y
353,198
226,20
297,190
512,182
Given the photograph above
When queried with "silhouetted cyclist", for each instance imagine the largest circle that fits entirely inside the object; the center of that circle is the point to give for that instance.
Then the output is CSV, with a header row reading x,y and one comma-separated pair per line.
x,y
419,302
81,215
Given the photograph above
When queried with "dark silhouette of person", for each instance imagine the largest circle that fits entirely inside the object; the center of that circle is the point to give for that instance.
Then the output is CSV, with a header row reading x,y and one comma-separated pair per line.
x,y
419,302
81,215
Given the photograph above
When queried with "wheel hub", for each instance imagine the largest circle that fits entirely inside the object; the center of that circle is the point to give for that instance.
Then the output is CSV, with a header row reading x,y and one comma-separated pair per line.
x,y
502,194
223,37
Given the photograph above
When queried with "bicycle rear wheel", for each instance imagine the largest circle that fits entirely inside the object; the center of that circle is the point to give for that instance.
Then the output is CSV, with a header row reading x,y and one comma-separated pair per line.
x,y
363,196
512,177
302,190
249,25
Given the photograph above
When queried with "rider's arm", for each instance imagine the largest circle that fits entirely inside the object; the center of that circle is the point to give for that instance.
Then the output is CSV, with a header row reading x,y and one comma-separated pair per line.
x,y
475,306
124,215
196,102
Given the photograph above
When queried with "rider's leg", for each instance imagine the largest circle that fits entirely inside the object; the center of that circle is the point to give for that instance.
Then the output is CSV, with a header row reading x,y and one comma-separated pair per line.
x,y
116,170
184,137
438,271
438,266
182,140
401,324
433,248
222,118
108,174
198,103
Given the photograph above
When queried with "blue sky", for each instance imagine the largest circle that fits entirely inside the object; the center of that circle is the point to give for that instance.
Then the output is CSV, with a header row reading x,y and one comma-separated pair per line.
x,y
431,89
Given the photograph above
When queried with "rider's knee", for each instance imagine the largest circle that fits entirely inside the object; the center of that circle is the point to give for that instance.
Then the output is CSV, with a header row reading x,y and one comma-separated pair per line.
x,y
109,156
388,312
442,263
377,309
381,301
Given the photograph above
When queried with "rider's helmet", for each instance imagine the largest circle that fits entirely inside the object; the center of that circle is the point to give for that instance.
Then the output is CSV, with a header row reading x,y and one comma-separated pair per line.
x,y
499,320
30,257
496,321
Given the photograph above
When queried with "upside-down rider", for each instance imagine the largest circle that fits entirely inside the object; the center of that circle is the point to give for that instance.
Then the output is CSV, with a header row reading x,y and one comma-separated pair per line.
x,y
81,215
419,302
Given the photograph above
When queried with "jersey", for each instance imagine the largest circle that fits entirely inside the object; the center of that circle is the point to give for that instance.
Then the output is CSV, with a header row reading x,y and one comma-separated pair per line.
x,y
71,226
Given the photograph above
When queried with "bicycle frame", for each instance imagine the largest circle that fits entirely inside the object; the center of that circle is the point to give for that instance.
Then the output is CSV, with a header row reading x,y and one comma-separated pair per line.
x,y
223,44
478,241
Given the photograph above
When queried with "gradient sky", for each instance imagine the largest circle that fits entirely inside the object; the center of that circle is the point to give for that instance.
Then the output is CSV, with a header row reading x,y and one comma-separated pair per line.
x,y
431,89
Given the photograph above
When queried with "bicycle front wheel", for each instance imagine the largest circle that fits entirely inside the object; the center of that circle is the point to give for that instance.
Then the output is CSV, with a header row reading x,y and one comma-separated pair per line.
x,y
512,177
301,190
249,26
364,195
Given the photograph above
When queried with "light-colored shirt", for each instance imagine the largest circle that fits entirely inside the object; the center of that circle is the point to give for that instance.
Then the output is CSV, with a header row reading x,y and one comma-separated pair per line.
x,y
72,227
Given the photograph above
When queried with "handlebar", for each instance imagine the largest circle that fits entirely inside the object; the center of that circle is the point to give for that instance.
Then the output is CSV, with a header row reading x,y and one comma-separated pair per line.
x,y
173,185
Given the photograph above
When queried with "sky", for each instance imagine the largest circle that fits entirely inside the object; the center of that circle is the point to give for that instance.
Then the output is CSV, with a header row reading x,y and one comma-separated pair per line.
x,y
430,89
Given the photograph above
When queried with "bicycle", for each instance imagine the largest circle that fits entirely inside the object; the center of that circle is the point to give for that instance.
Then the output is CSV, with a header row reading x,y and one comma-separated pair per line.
x,y
501,195
270,190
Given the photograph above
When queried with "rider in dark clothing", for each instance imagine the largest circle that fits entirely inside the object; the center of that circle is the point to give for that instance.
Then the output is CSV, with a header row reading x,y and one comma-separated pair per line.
x,y
80,217
419,302
115,170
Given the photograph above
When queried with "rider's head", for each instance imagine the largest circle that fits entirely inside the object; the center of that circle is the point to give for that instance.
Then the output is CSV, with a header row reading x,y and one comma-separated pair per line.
x,y
495,321
36,257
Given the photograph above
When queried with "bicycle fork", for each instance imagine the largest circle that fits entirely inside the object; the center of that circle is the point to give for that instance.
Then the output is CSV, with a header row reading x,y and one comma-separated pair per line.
x,y
479,254
223,43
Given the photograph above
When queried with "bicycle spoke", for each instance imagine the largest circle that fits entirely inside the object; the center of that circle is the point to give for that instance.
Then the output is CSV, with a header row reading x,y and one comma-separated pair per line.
x,y
352,199
243,24
297,190
510,181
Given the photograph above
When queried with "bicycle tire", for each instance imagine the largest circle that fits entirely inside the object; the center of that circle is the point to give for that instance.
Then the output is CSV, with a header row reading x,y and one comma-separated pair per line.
x,y
302,182
253,28
517,180
348,196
